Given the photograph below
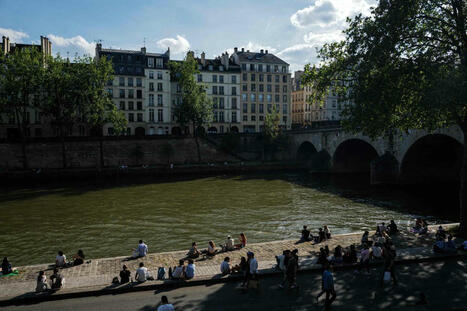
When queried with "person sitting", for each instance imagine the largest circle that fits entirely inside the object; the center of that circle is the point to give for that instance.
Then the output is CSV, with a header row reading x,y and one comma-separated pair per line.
x,y
350,256
141,273
190,270
365,259
225,266
322,258
440,233
241,267
327,232
439,245
141,250
380,229
60,260
418,225
365,237
165,305
321,235
337,257
6,266
376,252
178,272
305,235
242,241
212,251
392,228
327,251
380,241
229,244
450,246
424,229
41,285
193,252
125,275
78,258
57,280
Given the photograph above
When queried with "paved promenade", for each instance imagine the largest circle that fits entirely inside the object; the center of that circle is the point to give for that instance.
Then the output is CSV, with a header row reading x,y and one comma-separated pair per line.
x,y
98,274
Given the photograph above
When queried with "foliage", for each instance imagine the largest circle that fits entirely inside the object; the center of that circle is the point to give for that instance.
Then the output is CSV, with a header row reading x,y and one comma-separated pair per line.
x,y
403,67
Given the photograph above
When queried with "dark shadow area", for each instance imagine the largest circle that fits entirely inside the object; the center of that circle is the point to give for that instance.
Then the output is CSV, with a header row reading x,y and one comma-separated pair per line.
x,y
353,156
305,151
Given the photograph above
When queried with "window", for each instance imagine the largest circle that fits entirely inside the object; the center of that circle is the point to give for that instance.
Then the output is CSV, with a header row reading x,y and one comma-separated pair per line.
x,y
269,88
151,75
221,90
159,100
234,79
276,68
244,77
269,98
131,117
269,108
253,87
334,103
284,109
214,78
269,78
150,62
261,108
151,100
221,103
234,103
160,115
139,94
253,97
159,75
284,118
110,92
122,105
245,118
214,102
261,88
122,93
221,116
243,66
252,67
131,106
276,98
261,118
284,88
261,97
234,90
253,118
121,81
214,89
139,117
261,77
234,117
159,87
284,78
245,87
159,62
139,82
200,78
131,93
139,106
151,115
214,116
179,88
260,67
268,68
284,98
244,97
210,67
151,86
276,78
221,68
253,77
130,81
245,108
276,88
253,108
221,79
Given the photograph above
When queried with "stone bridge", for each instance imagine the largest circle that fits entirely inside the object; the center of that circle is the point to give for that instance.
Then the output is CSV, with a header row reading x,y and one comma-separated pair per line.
x,y
414,157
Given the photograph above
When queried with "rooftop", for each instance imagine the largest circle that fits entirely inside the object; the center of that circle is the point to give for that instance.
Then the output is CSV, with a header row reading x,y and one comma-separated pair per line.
x,y
259,57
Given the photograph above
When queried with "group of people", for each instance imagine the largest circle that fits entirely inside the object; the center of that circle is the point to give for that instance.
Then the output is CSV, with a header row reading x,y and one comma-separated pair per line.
x,y
323,234
62,262
212,249
421,226
56,281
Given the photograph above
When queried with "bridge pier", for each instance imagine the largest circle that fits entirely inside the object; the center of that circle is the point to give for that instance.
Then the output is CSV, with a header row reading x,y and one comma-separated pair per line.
x,y
384,170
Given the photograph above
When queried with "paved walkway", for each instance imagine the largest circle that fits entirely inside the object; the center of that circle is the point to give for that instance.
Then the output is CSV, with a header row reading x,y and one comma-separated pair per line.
x,y
100,272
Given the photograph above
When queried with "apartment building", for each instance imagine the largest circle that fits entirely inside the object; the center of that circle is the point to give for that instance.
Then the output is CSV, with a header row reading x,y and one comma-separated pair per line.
x,y
265,85
140,89
38,127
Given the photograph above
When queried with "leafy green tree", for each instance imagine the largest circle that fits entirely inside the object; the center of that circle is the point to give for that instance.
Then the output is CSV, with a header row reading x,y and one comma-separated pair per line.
x,y
403,67
21,75
195,107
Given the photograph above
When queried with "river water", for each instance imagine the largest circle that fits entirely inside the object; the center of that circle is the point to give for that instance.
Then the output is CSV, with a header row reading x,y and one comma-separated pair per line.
x,y
108,219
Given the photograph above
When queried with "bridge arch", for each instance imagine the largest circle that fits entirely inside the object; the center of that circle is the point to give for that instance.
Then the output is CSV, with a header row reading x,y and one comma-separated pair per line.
x,y
433,158
353,156
305,151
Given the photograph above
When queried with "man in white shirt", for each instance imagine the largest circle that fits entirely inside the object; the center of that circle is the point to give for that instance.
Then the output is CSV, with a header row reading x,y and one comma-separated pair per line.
x,y
225,266
229,244
376,252
60,260
142,249
165,305
141,273
253,263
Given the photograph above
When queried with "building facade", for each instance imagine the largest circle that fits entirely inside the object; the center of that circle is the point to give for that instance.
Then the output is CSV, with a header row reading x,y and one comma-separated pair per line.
x,y
265,86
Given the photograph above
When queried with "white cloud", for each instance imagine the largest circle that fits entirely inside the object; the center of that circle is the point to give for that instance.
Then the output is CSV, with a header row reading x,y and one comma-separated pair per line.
x,y
14,35
75,44
325,13
322,38
180,45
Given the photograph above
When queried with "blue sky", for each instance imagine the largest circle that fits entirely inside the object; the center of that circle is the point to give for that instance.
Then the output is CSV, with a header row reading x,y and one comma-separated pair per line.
x,y
292,29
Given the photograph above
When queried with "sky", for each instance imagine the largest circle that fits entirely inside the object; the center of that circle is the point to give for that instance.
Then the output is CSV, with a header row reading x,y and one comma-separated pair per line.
x,y
291,29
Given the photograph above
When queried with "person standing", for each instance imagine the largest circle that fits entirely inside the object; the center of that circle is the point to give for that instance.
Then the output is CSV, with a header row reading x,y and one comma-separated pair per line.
x,y
165,305
389,256
328,287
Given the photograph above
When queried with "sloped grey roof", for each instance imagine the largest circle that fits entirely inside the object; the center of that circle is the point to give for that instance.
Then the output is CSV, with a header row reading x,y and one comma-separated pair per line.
x,y
254,57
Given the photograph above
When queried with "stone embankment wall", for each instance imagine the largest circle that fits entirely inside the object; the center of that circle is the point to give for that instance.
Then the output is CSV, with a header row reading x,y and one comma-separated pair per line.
x,y
85,153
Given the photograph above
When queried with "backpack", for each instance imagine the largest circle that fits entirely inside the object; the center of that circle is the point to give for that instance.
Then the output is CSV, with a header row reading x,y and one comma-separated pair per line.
x,y
161,273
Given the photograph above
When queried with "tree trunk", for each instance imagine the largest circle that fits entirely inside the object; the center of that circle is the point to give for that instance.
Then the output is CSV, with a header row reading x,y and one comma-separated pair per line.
x,y
463,188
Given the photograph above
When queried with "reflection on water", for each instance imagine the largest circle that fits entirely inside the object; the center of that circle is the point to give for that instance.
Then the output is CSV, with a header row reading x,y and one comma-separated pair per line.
x,y
108,220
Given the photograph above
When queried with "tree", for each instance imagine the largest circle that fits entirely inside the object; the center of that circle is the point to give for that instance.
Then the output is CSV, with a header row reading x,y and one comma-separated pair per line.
x,y
20,83
195,107
272,137
403,67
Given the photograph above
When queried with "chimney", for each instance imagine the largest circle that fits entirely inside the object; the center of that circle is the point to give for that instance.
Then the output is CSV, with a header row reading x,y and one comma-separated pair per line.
x,y
4,45
235,49
261,51
225,60
266,51
143,50
190,54
248,51
98,50
243,50
203,58
50,47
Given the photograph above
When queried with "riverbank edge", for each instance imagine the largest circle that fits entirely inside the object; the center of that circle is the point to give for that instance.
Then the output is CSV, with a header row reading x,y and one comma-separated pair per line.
x,y
31,298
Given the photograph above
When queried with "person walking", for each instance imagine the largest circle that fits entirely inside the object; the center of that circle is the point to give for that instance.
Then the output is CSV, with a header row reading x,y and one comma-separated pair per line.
x,y
328,287
389,256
